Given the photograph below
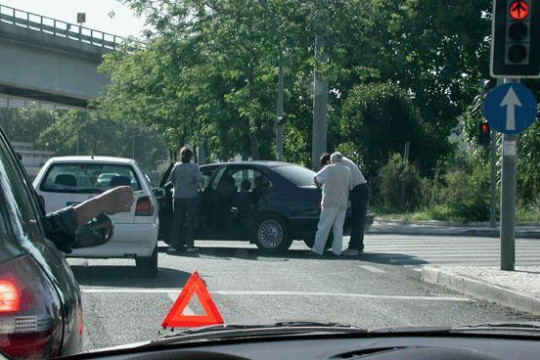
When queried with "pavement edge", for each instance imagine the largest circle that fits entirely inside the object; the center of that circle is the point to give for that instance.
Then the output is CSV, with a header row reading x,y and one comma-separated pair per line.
x,y
482,290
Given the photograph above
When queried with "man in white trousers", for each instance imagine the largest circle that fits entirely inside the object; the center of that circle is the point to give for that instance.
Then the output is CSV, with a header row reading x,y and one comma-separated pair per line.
x,y
336,181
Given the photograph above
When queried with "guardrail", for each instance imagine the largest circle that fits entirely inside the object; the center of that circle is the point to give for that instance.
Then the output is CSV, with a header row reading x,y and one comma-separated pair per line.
x,y
59,28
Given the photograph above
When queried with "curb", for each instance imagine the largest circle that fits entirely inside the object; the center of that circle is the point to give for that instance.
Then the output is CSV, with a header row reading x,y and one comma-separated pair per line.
x,y
427,230
482,290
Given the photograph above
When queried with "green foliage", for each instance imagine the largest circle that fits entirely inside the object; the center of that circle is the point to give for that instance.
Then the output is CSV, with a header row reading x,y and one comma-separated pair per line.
x,y
528,165
25,124
399,184
83,132
459,194
209,69
378,119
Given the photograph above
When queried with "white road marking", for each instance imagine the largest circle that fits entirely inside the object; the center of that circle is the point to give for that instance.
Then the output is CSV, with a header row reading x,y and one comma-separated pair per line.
x,y
173,295
372,269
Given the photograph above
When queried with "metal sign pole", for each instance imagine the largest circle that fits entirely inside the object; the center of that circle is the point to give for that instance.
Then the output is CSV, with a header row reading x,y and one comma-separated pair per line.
x,y
508,199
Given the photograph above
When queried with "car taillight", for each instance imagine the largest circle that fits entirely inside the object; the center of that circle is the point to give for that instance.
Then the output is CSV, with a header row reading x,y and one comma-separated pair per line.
x,y
144,207
30,320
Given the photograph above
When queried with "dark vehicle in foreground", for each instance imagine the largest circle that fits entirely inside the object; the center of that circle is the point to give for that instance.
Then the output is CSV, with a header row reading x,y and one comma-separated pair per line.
x,y
266,202
40,301
313,340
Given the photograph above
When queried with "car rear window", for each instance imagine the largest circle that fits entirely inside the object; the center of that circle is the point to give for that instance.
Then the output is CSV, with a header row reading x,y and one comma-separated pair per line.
x,y
92,178
299,175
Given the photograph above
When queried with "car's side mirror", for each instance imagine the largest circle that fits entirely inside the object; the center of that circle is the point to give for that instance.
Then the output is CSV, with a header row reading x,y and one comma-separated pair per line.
x,y
159,193
95,232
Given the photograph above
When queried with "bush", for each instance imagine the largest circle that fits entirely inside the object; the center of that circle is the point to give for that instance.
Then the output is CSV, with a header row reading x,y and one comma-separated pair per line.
x,y
399,185
460,195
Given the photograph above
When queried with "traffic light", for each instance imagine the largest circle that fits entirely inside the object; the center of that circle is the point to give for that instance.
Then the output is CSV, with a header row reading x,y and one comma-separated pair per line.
x,y
484,134
515,38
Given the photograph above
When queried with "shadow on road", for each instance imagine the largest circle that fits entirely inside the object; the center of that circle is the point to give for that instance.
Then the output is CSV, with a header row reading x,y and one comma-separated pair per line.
x,y
127,276
231,253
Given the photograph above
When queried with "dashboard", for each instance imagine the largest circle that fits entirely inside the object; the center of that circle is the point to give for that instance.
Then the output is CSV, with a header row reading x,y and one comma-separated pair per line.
x,y
370,347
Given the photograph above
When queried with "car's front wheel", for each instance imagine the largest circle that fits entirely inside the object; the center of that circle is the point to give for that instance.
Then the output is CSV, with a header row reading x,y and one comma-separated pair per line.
x,y
272,235
148,266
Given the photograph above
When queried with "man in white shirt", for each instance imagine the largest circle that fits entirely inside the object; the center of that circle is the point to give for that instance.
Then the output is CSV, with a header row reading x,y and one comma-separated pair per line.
x,y
359,200
336,181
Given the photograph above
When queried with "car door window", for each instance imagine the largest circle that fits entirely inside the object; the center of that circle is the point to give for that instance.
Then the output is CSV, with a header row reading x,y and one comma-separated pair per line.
x,y
217,178
206,174
83,177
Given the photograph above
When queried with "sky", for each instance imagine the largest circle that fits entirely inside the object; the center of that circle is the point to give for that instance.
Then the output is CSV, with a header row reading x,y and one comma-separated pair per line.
x,y
124,22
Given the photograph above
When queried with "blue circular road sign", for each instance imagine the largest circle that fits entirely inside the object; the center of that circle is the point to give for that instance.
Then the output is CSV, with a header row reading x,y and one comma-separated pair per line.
x,y
510,108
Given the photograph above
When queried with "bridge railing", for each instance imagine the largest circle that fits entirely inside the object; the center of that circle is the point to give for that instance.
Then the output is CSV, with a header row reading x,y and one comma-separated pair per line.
x,y
58,28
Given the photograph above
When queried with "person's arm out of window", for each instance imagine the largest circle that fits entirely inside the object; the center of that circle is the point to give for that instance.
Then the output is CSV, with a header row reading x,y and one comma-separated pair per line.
x,y
118,199
60,225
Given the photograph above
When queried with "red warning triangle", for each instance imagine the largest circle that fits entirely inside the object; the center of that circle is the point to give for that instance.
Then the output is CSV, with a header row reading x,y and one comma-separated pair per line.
x,y
176,318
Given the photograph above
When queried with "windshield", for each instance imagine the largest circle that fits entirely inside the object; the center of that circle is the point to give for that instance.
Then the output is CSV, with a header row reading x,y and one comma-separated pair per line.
x,y
332,161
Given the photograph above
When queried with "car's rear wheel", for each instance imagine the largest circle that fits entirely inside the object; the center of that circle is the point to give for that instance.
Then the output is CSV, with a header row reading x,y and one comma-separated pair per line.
x,y
148,266
272,235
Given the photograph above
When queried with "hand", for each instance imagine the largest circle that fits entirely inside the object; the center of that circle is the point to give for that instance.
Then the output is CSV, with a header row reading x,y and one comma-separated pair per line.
x,y
96,232
111,201
118,199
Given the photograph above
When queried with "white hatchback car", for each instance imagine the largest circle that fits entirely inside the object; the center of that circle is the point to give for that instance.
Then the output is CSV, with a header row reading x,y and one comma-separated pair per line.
x,y
69,180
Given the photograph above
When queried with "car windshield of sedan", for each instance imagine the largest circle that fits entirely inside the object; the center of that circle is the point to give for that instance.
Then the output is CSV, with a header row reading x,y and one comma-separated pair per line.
x,y
372,163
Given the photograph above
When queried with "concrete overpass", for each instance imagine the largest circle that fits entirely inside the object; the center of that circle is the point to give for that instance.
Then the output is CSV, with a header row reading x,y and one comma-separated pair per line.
x,y
49,61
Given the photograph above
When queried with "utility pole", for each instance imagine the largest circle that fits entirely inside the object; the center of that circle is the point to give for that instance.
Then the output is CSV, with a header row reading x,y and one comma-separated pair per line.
x,y
320,88
279,109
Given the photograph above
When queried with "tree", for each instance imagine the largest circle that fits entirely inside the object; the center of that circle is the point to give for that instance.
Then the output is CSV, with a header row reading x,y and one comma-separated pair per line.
x,y
203,75
83,133
377,120
209,69
25,124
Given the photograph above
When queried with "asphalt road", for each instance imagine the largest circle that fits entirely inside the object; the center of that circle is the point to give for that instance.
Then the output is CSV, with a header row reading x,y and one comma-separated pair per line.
x,y
382,289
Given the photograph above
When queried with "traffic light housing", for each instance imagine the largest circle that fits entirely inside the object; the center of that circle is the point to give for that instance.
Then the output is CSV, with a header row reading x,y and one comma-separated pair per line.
x,y
484,135
515,38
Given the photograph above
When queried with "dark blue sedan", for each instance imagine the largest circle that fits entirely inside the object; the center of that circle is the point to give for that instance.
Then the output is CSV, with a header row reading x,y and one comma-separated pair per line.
x,y
266,202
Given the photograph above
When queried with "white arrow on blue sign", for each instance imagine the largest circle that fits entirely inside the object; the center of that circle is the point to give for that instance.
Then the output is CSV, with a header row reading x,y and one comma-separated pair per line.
x,y
510,108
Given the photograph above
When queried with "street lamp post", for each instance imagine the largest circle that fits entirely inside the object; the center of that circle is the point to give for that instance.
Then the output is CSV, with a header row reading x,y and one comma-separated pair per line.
x,y
279,110
133,141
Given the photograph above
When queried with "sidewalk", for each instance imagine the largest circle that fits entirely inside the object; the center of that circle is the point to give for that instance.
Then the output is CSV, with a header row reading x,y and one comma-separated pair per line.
x,y
519,289
447,228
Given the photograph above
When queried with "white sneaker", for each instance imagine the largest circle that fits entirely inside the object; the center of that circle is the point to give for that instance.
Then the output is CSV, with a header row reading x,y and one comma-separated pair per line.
x,y
350,252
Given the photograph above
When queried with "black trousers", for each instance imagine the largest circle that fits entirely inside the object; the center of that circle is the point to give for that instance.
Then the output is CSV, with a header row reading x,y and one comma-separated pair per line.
x,y
184,208
359,201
